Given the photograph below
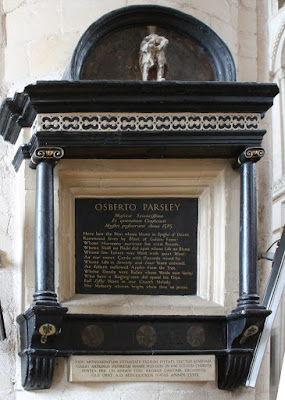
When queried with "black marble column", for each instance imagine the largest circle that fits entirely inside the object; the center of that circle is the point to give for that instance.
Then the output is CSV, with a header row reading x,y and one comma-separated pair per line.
x,y
44,161
44,235
248,298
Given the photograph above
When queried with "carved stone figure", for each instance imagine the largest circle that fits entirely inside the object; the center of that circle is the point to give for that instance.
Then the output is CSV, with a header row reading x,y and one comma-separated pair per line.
x,y
153,62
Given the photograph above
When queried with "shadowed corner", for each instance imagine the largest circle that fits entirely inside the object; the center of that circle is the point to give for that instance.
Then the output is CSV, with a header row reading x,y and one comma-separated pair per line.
x,y
2,326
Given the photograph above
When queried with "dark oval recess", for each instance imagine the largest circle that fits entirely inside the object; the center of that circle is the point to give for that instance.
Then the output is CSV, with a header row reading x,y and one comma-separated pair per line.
x,y
93,336
117,57
109,49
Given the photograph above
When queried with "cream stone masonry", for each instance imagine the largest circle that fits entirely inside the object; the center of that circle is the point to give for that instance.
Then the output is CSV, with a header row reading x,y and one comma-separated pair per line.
x,y
16,55
227,32
78,15
43,52
2,49
11,5
11,233
142,368
42,22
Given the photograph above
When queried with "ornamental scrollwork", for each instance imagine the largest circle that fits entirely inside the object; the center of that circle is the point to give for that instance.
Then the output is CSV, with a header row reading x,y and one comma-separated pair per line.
x,y
252,154
46,153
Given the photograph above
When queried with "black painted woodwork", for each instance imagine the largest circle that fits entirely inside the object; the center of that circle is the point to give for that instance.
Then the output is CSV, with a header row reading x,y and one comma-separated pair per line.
x,y
37,362
226,337
14,114
138,96
119,96
249,225
248,298
248,237
133,21
128,145
44,235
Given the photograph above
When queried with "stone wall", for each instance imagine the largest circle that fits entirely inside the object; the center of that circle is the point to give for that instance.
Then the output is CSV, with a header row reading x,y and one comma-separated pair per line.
x,y
37,41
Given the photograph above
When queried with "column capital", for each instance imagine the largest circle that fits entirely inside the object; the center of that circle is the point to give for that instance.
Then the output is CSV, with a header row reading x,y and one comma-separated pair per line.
x,y
52,154
251,154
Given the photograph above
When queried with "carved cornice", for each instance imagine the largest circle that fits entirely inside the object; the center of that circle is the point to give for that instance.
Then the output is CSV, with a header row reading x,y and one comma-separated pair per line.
x,y
131,96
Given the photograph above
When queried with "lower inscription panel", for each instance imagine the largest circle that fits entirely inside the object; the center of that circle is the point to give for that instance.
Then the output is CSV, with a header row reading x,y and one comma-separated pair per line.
x,y
141,368
136,246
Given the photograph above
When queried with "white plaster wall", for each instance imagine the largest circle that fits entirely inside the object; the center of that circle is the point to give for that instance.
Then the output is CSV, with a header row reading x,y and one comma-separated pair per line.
x,y
37,41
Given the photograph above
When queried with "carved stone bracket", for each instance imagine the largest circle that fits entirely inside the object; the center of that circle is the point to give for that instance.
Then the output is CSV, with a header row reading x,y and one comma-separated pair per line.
x,y
37,371
40,326
244,330
53,154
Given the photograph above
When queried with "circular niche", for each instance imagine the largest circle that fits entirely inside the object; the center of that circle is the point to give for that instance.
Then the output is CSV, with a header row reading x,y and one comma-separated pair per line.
x,y
109,49
117,57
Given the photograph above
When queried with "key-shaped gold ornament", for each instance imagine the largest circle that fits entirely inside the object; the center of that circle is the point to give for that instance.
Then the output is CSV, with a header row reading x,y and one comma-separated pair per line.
x,y
46,330
252,330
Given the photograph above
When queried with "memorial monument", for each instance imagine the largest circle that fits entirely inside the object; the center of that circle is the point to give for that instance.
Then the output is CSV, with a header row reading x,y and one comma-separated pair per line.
x,y
138,228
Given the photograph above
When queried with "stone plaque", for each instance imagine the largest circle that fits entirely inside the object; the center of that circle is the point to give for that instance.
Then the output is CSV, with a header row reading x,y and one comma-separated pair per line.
x,y
136,246
141,368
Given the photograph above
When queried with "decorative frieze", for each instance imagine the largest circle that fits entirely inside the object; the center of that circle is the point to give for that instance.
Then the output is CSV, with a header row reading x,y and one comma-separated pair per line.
x,y
144,122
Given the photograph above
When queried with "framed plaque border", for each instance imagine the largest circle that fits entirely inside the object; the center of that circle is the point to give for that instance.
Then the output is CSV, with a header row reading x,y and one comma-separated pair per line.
x,y
113,178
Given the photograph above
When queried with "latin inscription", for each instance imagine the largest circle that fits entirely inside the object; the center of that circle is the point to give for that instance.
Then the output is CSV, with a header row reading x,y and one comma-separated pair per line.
x,y
141,368
136,246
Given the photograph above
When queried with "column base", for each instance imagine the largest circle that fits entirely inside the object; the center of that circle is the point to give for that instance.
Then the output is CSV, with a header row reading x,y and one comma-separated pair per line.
x,y
45,298
248,302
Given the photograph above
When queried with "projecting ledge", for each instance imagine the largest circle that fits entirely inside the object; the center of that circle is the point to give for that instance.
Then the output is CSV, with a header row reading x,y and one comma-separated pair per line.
x,y
142,305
